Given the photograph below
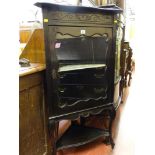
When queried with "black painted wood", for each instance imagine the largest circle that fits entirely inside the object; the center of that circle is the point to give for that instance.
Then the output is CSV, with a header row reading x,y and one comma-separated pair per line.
x,y
83,9
81,36
83,136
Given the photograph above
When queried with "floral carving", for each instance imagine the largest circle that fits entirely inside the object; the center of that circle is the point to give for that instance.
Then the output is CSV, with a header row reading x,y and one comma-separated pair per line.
x,y
79,17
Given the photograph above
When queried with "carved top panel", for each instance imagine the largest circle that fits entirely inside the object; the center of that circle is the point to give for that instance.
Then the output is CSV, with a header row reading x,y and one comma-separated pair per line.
x,y
79,18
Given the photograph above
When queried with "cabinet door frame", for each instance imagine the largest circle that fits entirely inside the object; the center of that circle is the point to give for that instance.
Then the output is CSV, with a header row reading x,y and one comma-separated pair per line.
x,y
52,62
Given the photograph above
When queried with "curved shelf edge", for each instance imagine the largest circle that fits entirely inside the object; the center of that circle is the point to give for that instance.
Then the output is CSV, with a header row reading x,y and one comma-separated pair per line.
x,y
78,135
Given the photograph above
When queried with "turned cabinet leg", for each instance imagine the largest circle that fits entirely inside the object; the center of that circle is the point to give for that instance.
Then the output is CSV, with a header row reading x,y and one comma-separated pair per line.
x,y
112,114
109,139
53,130
130,78
110,136
121,90
126,80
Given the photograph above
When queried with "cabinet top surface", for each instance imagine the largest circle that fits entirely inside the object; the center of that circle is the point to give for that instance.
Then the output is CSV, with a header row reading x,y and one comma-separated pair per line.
x,y
74,9
35,67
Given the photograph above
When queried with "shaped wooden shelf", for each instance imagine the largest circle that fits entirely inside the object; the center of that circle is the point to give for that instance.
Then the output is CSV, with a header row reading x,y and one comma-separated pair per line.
x,y
78,135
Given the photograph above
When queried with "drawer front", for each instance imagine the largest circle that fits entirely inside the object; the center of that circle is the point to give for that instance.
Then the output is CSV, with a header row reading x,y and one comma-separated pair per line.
x,y
82,91
98,76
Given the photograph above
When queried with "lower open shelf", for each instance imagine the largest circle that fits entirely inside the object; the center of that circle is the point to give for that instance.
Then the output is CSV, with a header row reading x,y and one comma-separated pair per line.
x,y
78,135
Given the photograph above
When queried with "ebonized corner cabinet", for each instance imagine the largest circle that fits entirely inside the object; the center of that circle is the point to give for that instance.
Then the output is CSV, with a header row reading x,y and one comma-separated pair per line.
x,y
82,69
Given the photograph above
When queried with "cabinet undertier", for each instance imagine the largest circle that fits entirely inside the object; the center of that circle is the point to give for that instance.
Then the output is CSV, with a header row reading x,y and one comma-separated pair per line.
x,y
78,135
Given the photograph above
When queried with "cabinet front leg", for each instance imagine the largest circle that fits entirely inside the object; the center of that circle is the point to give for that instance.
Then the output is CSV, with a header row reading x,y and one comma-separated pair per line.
x,y
53,136
109,139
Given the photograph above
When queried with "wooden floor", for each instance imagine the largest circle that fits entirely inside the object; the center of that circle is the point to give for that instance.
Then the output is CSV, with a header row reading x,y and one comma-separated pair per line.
x,y
123,133
125,139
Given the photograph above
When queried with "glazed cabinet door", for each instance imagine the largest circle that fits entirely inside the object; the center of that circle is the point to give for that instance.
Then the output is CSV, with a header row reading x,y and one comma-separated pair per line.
x,y
74,90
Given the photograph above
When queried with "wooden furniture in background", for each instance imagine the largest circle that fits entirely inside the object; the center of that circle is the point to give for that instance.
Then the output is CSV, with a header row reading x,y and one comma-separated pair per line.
x,y
33,134
126,69
120,3
101,2
32,120
25,35
34,48
129,67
